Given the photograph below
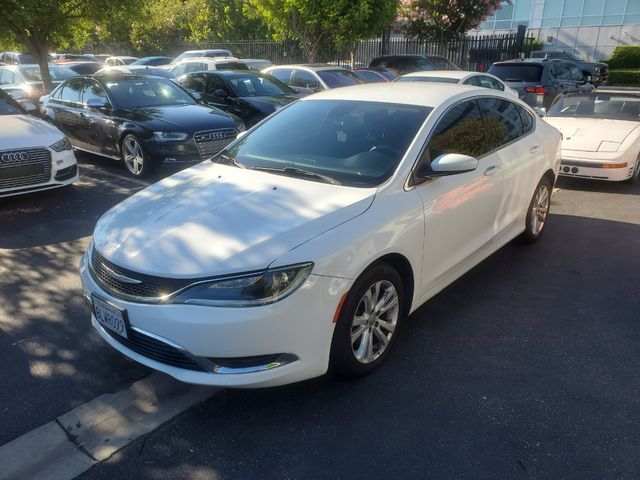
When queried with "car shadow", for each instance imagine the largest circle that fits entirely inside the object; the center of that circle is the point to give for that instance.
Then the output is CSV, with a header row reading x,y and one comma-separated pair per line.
x,y
600,186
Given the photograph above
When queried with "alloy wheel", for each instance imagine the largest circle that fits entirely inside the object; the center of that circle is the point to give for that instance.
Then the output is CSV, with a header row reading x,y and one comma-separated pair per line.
x,y
374,321
540,209
133,156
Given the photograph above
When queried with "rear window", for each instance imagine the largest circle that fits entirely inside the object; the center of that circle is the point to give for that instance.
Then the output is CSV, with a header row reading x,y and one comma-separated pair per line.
x,y
517,72
231,66
339,78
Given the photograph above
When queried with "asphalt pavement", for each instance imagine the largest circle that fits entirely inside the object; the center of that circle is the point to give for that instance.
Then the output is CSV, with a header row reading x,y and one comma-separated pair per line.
x,y
526,367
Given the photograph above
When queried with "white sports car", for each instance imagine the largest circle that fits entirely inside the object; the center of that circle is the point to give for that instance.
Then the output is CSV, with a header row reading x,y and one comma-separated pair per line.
x,y
34,155
601,132
461,77
304,244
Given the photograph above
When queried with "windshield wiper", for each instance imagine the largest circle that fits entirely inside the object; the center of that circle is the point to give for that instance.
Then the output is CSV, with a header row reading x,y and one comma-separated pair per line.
x,y
298,172
228,159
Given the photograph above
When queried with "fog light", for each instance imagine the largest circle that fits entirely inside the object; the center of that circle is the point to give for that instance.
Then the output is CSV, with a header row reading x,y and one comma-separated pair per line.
x,y
566,169
574,170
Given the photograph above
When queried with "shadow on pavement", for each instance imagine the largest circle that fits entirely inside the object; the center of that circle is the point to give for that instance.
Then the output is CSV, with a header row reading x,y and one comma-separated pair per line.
x,y
600,186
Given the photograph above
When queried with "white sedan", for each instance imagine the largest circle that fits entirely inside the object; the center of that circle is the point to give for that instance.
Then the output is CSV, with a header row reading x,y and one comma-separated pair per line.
x,y
34,155
304,245
461,77
601,132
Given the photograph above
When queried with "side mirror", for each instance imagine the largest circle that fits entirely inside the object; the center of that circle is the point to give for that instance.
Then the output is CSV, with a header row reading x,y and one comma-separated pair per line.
x,y
541,111
196,95
448,164
97,103
220,93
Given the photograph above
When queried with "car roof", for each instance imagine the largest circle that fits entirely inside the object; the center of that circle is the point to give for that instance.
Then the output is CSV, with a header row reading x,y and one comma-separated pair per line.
x,y
317,67
528,61
409,93
227,73
458,74
209,60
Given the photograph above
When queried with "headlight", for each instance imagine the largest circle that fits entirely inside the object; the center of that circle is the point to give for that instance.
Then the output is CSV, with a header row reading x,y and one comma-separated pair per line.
x,y
170,136
61,145
249,290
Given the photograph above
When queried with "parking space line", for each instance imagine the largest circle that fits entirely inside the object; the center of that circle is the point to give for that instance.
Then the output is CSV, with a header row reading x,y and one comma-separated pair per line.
x,y
106,173
74,442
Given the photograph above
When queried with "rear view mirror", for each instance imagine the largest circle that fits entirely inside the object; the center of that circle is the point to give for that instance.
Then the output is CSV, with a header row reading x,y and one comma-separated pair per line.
x,y
448,164
220,93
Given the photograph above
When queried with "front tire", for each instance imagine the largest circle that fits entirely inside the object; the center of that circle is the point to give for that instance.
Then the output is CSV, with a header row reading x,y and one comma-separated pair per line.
x,y
538,211
368,322
135,158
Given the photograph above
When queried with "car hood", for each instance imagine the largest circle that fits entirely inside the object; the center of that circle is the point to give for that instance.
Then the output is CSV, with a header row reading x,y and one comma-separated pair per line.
x,y
592,134
26,131
270,104
182,118
214,220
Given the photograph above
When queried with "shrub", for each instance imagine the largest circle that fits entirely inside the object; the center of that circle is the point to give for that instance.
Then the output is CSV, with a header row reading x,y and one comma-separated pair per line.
x,y
627,56
624,77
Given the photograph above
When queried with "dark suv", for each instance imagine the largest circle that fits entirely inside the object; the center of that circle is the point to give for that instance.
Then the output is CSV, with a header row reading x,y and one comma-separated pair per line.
x,y
596,73
540,82
412,63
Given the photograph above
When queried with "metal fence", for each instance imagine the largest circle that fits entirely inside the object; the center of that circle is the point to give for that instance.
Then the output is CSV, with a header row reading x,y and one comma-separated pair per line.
x,y
470,53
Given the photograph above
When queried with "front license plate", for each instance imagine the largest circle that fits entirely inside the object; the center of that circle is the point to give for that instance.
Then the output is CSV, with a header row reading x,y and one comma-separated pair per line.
x,y
109,316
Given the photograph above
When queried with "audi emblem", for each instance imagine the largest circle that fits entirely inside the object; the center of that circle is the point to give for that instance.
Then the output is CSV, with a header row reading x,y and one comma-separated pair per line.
x,y
14,157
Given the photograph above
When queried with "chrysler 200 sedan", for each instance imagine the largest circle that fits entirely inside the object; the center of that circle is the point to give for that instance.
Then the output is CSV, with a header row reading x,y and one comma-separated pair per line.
x,y
304,244
144,121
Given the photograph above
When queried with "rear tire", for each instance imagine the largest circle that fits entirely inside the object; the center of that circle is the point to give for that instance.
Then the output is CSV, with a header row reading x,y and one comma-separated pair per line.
x,y
538,212
368,322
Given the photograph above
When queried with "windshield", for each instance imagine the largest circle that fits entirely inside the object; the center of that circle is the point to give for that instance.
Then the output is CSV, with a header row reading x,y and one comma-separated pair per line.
x,y
354,143
258,85
517,72
338,78
32,74
147,92
9,107
427,79
611,106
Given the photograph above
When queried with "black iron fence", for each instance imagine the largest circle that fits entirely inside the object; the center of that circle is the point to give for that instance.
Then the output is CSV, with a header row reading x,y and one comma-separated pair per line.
x,y
470,53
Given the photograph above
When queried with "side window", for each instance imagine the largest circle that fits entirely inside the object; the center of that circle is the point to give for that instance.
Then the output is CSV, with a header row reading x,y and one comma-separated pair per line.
x,y
460,130
93,91
282,74
491,83
527,120
178,70
563,71
7,77
475,81
195,67
576,74
197,83
502,120
72,91
216,83
304,79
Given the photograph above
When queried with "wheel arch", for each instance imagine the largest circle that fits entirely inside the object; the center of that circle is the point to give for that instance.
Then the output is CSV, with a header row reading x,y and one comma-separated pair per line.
x,y
402,265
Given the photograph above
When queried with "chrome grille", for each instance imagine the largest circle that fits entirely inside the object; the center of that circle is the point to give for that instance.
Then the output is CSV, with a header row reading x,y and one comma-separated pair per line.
x,y
211,142
145,286
24,167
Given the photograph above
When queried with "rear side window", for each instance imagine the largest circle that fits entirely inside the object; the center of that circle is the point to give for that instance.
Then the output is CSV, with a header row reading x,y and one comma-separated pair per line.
x,y
7,77
460,130
282,74
195,67
71,91
369,77
517,72
502,120
576,74
527,119
304,79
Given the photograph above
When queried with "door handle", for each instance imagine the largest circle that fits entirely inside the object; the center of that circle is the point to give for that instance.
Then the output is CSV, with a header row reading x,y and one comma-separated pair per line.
x,y
534,149
491,170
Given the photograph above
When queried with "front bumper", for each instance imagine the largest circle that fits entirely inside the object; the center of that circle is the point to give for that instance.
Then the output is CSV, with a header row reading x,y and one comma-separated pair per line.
x,y
596,170
297,330
170,153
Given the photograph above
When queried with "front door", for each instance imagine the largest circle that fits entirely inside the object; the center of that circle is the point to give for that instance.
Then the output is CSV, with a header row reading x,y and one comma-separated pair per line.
x,y
459,209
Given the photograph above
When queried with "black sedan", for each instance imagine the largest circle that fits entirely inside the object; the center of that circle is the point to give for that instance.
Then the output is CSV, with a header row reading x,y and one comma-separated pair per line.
x,y
250,95
144,121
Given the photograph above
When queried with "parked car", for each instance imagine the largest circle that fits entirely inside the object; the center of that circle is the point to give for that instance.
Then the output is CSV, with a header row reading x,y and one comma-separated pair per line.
x,y
211,53
307,79
117,61
138,70
601,132
201,64
33,154
75,57
84,68
541,82
477,79
408,63
594,72
144,121
102,56
375,75
17,58
304,245
28,80
153,61
252,96
256,64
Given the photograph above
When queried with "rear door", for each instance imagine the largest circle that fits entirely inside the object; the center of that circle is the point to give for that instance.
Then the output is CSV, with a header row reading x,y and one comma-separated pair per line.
x,y
460,210
67,107
101,133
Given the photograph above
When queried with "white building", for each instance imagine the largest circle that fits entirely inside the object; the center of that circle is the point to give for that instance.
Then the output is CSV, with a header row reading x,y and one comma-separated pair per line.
x,y
591,28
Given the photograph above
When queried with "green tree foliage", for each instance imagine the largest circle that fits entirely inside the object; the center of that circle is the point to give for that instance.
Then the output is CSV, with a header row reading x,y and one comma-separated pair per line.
x,y
442,20
42,25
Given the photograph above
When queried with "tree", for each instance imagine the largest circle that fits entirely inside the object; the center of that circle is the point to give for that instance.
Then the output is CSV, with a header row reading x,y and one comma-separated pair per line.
x,y
443,20
361,19
40,25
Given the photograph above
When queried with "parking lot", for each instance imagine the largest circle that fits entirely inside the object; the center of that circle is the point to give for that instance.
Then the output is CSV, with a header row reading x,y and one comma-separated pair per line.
x,y
526,367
